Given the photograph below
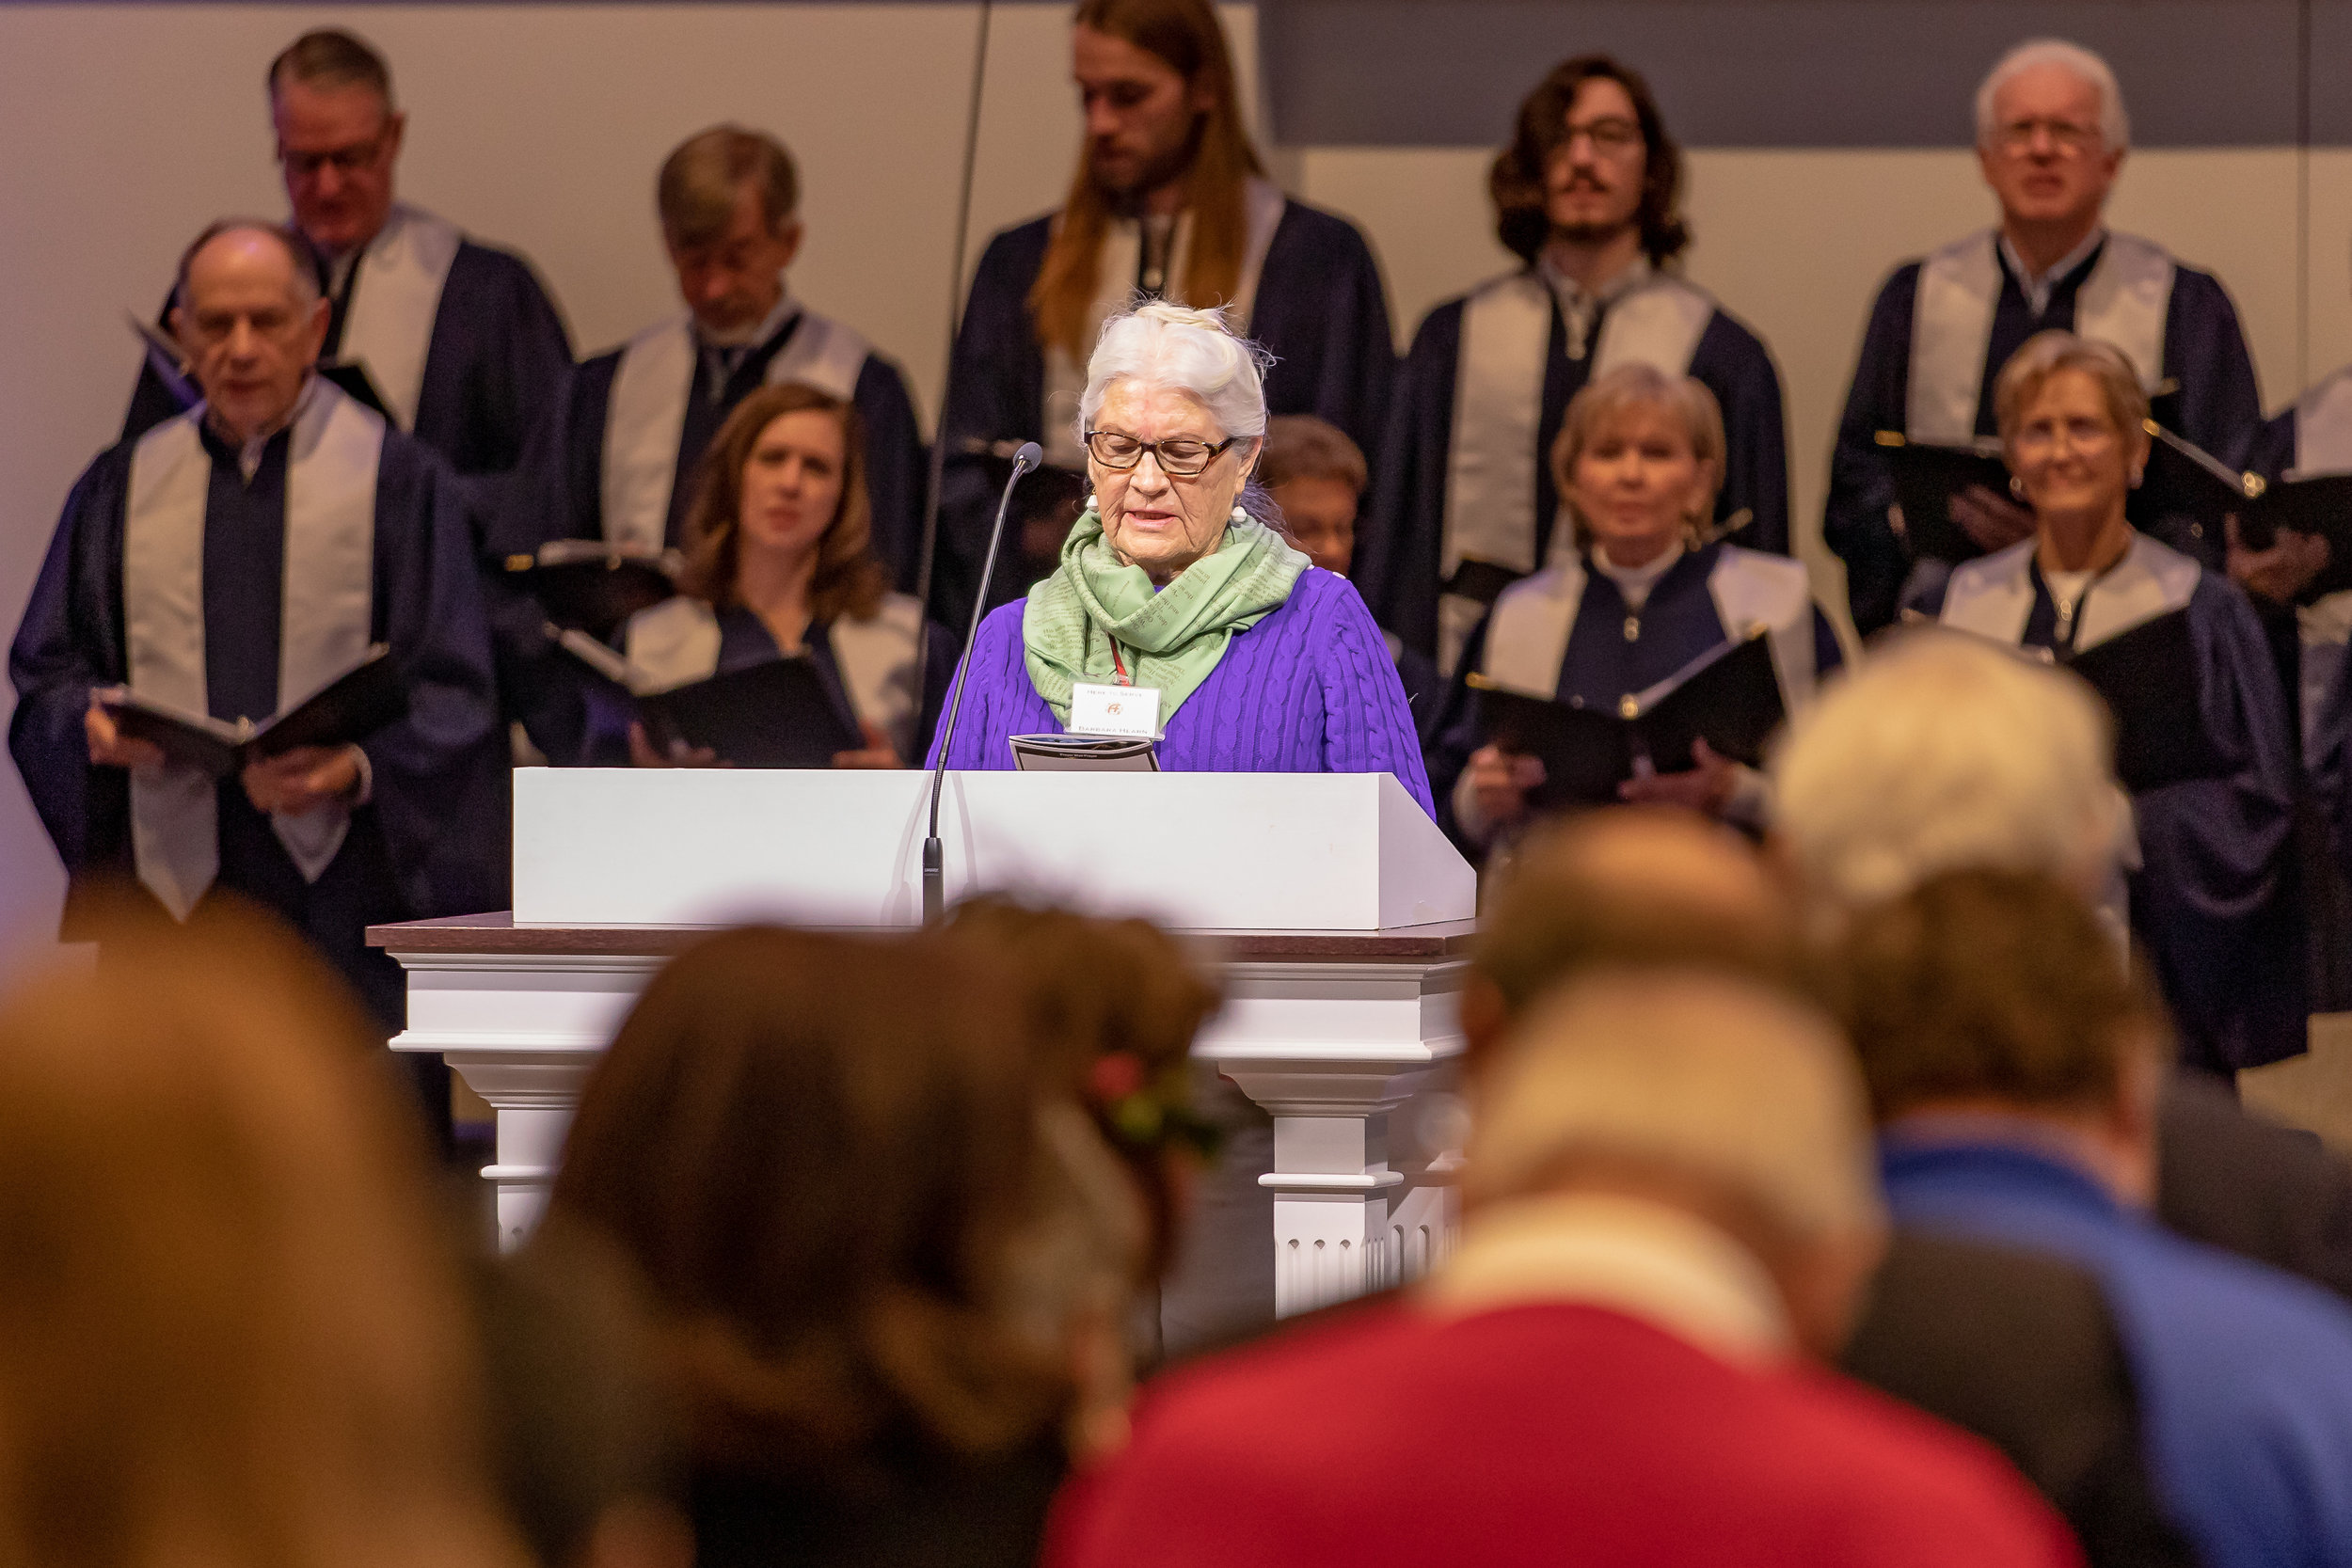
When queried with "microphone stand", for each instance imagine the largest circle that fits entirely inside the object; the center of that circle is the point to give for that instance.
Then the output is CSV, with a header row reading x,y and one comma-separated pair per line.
x,y
935,857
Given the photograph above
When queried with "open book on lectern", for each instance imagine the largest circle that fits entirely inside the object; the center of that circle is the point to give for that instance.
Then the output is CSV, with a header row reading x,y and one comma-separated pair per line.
x,y
773,714
354,705
1728,696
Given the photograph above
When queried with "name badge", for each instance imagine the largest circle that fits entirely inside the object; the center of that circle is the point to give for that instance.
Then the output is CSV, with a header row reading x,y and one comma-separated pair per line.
x,y
1130,710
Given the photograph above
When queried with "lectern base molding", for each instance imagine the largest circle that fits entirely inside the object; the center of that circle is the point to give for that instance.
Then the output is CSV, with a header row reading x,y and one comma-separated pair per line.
x,y
1347,1038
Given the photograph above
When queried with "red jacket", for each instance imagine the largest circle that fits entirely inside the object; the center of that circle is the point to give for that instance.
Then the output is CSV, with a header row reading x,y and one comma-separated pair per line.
x,y
1557,1434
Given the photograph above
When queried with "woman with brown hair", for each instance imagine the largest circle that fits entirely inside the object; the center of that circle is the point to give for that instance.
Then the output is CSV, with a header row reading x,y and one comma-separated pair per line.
x,y
229,1333
779,562
875,1231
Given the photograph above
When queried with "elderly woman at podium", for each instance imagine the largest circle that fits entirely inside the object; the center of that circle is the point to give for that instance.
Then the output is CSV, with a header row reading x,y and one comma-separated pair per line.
x,y
1617,661
2179,656
1178,600
780,578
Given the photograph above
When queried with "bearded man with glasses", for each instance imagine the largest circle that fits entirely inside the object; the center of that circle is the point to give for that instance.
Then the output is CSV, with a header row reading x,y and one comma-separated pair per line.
x,y
460,340
1588,195
2051,137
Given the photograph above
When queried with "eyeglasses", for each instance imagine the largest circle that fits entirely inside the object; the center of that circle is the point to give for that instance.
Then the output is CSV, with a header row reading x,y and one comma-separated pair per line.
x,y
1180,457
1610,137
2067,139
347,160
2086,436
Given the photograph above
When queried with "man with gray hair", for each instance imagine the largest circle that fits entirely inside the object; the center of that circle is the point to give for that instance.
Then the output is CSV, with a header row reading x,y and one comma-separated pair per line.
x,y
2051,136
1668,1202
226,564
1942,754
459,340
618,462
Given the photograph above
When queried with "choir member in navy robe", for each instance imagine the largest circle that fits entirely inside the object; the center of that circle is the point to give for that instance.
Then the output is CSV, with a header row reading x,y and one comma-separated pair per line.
x,y
618,460
2305,599
228,562
1642,592
459,338
1316,477
779,563
2051,136
2215,898
1586,195
1169,200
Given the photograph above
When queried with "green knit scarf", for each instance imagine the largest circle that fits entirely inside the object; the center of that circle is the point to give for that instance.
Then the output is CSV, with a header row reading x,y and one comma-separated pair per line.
x,y
1170,639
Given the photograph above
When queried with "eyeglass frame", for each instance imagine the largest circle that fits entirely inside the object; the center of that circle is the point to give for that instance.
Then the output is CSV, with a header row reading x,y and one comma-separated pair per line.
x,y
2067,139
1153,449
348,161
1624,135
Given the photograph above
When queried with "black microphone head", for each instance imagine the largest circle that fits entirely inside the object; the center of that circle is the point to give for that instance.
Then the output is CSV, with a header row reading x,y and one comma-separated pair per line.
x,y
1028,457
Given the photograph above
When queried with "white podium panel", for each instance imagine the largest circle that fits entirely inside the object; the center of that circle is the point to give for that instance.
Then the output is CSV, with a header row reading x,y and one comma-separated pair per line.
x,y
1231,851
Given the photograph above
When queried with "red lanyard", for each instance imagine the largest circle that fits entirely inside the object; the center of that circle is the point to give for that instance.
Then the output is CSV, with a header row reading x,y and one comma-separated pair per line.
x,y
1120,665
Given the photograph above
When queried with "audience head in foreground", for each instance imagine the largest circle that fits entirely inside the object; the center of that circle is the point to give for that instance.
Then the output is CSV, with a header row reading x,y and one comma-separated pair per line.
x,y
1668,1192
2017,1070
1942,752
228,1330
877,1252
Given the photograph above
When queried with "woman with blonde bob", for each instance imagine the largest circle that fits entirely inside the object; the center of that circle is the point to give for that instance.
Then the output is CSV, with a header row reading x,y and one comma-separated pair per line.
x,y
1177,583
229,1333
779,561
2213,897
1637,588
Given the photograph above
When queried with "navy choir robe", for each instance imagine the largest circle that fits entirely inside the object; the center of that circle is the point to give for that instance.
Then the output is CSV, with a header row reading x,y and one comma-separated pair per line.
x,y
471,366
1318,307
2308,642
1566,633
2193,342
2216,898
1404,559
432,839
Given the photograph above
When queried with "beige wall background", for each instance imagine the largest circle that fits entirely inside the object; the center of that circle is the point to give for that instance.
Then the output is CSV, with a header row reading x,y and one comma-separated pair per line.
x,y
539,127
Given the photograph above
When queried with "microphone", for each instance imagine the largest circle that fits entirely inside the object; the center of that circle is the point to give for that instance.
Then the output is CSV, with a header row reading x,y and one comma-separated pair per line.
x,y
934,858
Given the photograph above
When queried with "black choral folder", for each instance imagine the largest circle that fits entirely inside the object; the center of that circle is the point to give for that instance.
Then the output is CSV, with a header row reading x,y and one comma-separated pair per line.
x,y
595,587
1926,476
348,708
2147,677
2210,490
774,714
1728,696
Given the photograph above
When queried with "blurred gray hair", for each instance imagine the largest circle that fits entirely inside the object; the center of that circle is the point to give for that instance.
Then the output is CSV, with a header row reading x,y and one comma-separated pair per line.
x,y
1176,346
1945,752
2115,126
1702,1074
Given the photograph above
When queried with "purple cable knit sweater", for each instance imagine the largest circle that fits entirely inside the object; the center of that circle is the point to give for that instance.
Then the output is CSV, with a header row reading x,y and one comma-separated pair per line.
x,y
1309,690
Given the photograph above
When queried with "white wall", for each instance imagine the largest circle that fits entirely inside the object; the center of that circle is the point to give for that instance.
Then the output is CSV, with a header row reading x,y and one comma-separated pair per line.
x,y
539,126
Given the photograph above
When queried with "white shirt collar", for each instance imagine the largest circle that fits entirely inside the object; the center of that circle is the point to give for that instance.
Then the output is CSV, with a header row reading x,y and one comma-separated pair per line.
x,y
1581,307
2038,290
250,453
1634,583
1647,1260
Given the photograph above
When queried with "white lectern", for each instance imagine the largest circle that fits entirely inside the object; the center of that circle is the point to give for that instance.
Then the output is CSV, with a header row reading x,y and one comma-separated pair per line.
x,y
1339,911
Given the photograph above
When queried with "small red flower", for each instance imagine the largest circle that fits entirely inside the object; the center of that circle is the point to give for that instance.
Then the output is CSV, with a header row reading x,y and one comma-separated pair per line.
x,y
1114,1077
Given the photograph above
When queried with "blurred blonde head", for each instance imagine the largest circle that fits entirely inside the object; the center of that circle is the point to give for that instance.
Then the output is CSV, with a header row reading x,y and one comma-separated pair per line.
x,y
228,1331
1942,752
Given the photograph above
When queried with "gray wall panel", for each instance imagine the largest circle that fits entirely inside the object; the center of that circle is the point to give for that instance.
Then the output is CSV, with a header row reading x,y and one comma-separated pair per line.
x,y
1794,73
